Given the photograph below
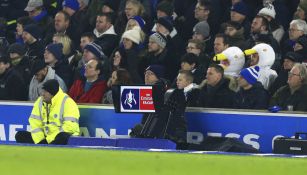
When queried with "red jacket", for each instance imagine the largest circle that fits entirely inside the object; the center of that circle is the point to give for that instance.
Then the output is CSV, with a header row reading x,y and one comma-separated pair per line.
x,y
94,95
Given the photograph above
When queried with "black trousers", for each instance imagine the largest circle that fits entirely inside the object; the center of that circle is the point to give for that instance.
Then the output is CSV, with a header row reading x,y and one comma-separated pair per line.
x,y
25,137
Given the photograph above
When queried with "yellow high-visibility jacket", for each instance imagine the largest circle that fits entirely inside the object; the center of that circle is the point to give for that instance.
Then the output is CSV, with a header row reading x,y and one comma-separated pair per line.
x,y
48,120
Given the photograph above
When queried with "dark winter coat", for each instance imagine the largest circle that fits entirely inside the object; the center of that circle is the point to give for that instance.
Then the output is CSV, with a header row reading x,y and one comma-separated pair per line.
x,y
220,96
63,70
284,98
12,86
255,98
108,42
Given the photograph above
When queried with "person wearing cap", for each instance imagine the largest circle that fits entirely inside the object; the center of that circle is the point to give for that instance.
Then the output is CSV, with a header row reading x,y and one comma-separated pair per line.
x,y
105,33
31,35
158,53
42,73
139,23
301,11
201,31
216,90
12,84
288,62
164,25
54,58
239,13
263,55
20,62
269,13
37,11
251,95
293,95
92,87
54,117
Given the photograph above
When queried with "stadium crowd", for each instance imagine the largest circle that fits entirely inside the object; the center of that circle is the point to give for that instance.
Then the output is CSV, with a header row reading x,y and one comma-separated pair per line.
x,y
245,54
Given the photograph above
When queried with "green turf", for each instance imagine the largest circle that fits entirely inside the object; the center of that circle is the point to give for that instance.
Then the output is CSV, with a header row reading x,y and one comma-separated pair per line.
x,y
72,161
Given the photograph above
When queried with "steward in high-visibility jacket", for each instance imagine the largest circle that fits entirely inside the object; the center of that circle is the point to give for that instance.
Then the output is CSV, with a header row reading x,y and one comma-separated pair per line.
x,y
54,117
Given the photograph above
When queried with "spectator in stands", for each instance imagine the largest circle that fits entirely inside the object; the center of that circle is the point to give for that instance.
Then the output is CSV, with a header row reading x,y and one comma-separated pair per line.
x,y
39,14
137,22
12,85
92,51
221,43
260,31
110,6
21,23
159,54
42,73
20,62
232,60
293,95
165,9
239,13
62,24
235,33
201,31
132,8
203,12
276,29
54,117
301,12
54,58
32,38
92,88
131,53
197,47
86,38
215,91
297,28
119,77
263,55
251,95
288,62
164,25
105,33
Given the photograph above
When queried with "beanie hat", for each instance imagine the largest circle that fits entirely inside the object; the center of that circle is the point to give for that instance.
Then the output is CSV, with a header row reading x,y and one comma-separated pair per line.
x,y
158,70
139,20
34,30
56,50
293,56
18,48
268,10
302,40
51,86
240,7
4,59
159,39
73,4
166,7
303,5
167,23
38,65
134,35
250,74
202,28
32,4
95,49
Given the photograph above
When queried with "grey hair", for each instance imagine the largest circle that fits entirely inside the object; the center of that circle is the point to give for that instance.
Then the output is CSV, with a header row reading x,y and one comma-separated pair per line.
x,y
300,24
303,72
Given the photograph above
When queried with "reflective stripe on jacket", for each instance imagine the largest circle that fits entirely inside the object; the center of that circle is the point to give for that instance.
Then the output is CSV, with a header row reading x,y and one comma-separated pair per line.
x,y
63,117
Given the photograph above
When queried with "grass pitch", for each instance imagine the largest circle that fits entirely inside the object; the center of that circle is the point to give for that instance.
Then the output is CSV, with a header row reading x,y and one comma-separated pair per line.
x,y
26,160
